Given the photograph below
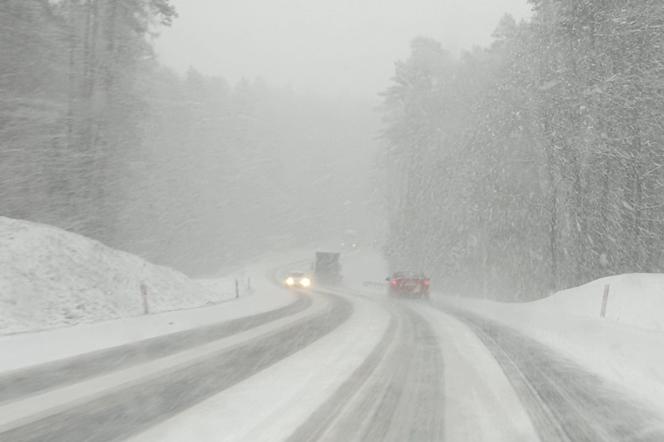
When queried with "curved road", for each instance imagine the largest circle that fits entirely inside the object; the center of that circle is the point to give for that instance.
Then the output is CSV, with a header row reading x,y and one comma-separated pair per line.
x,y
401,390
42,377
396,394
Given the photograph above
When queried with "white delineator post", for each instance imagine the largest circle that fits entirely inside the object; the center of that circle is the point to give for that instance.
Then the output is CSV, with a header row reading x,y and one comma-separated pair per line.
x,y
144,295
605,300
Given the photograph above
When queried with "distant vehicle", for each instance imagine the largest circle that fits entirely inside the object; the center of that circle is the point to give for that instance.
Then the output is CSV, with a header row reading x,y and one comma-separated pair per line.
x,y
297,280
409,284
327,268
350,240
351,245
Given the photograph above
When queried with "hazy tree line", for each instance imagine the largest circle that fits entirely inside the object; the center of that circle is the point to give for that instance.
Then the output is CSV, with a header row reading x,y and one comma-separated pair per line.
x,y
96,137
70,106
237,171
537,163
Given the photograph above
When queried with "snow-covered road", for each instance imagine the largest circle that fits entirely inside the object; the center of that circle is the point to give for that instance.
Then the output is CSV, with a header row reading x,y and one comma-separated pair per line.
x,y
565,402
336,364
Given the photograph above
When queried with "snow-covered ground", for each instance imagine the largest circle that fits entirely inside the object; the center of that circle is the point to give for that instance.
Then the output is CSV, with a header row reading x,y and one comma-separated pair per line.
x,y
626,347
51,278
26,349
63,294
483,403
48,402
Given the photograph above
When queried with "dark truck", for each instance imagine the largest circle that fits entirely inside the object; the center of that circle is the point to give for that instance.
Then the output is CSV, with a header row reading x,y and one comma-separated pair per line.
x,y
327,268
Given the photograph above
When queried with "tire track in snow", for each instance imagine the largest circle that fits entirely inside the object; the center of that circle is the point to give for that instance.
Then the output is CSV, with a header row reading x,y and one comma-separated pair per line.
x,y
565,402
396,394
23,382
125,412
325,415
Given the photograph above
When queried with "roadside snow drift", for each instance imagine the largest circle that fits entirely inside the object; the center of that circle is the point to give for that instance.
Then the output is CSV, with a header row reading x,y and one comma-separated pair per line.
x,y
635,299
52,278
626,346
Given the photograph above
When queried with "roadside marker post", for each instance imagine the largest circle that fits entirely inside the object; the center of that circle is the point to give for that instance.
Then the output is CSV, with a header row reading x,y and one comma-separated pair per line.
x,y
605,300
144,295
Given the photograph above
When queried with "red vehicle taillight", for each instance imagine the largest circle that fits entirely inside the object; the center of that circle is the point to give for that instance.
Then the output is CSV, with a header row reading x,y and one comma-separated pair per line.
x,y
394,282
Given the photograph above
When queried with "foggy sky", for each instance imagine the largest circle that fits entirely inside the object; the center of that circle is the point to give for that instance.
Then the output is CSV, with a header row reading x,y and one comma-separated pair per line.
x,y
333,47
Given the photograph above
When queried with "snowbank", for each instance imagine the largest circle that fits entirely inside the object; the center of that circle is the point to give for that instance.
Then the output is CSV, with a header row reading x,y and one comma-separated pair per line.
x,y
51,278
634,299
626,347
26,349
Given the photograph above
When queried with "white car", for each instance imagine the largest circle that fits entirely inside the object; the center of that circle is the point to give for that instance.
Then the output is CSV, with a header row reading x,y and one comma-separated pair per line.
x,y
297,280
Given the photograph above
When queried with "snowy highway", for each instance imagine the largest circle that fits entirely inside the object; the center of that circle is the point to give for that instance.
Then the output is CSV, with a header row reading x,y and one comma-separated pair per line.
x,y
334,364
331,221
68,371
152,387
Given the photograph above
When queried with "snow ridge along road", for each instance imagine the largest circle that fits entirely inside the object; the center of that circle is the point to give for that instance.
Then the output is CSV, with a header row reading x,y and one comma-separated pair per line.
x,y
395,395
23,382
564,401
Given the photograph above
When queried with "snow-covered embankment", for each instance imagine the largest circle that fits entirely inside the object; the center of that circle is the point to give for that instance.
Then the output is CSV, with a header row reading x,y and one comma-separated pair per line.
x,y
51,278
626,346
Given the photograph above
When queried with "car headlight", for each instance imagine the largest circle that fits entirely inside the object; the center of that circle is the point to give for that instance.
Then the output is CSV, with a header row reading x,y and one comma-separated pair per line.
x,y
290,281
306,282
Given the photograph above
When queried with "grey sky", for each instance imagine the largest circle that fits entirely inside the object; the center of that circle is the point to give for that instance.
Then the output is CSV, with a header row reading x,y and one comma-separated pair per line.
x,y
335,47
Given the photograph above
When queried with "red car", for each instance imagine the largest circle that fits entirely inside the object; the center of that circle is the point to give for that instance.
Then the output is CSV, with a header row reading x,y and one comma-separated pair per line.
x,y
409,284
